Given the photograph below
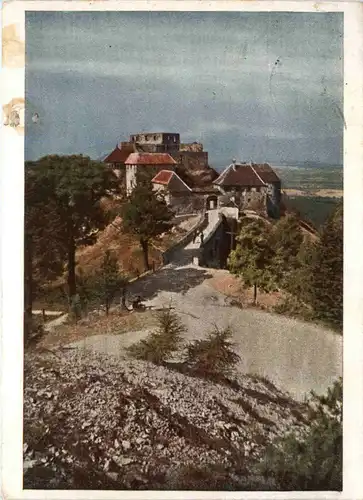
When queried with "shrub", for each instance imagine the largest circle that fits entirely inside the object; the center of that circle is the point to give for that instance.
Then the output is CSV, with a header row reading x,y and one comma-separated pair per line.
x,y
160,345
293,306
212,356
312,460
102,285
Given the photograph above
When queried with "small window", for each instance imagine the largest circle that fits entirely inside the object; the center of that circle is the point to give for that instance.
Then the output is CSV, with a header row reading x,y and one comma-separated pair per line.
x,y
155,137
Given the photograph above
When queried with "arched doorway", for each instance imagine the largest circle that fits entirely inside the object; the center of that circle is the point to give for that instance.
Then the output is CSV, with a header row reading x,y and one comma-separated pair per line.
x,y
211,202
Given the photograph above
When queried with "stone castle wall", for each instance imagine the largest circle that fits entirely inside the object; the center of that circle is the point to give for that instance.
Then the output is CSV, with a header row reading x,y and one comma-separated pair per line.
x,y
195,147
194,160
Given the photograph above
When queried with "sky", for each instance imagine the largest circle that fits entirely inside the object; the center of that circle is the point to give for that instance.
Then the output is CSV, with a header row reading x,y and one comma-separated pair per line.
x,y
250,86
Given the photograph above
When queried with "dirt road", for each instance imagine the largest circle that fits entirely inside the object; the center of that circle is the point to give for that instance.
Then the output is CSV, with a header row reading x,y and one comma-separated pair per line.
x,y
295,355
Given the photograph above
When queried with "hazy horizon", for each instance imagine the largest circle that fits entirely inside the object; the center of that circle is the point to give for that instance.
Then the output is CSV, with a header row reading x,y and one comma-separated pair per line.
x,y
255,86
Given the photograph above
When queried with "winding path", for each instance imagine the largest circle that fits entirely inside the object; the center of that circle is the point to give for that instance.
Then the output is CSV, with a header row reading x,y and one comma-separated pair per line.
x,y
295,355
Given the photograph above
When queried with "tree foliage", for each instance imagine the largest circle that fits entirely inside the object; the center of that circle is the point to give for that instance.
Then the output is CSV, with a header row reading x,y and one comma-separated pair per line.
x,y
66,193
252,259
327,271
160,345
286,241
214,356
313,459
103,284
146,214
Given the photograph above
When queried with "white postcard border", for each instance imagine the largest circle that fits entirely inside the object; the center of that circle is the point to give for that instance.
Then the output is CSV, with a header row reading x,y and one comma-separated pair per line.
x,y
12,208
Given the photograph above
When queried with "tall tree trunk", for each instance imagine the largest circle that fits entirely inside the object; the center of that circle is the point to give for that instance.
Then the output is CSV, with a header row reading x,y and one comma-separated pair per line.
x,y
28,285
145,251
255,294
72,289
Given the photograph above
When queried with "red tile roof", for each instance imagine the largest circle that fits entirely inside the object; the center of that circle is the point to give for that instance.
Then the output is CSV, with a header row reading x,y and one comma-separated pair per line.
x,y
265,172
119,155
239,175
150,159
163,177
170,179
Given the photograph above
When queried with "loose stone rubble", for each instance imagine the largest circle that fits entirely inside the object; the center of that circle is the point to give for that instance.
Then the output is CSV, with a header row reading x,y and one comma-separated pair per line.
x,y
104,422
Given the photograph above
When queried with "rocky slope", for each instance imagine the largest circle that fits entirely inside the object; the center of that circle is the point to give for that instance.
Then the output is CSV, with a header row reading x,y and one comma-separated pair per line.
x,y
107,422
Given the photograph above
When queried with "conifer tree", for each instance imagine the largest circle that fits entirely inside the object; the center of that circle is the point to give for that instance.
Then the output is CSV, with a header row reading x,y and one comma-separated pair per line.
x,y
109,280
74,187
145,215
43,258
164,342
253,257
327,271
286,239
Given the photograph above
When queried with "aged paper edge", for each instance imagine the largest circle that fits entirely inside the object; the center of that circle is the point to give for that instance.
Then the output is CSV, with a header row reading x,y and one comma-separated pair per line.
x,y
12,208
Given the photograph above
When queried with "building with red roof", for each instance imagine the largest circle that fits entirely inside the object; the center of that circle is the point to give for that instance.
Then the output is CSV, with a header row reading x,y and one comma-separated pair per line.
x,y
243,181
149,162
172,186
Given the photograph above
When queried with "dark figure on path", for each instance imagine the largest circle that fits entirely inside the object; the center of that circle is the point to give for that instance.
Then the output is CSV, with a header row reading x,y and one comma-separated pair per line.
x,y
136,303
201,238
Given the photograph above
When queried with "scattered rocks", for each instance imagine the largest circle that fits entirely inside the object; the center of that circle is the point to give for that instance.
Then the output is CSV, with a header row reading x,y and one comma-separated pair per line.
x,y
143,420
126,445
121,461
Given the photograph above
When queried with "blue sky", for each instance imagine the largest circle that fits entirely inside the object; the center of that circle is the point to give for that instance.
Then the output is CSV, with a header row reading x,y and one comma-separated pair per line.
x,y
260,86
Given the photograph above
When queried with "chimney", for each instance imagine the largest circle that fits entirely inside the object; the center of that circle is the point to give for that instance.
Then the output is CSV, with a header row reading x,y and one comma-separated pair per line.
x,y
234,161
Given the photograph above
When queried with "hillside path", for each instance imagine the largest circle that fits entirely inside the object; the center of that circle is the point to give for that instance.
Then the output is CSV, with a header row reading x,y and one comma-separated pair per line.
x,y
295,355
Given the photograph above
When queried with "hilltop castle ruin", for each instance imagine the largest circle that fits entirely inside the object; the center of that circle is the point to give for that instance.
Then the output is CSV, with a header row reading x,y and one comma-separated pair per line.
x,y
182,173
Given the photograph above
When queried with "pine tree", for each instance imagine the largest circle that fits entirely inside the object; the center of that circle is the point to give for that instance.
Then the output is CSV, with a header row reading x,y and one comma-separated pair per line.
x,y
286,239
145,215
311,459
43,258
299,280
160,345
327,271
109,280
74,187
213,356
253,257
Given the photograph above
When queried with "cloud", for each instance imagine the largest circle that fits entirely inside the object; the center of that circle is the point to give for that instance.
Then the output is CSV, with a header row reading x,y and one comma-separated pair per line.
x,y
220,77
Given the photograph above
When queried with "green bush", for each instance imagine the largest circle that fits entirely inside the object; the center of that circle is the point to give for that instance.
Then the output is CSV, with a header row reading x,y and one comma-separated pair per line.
x,y
294,307
313,459
160,345
101,286
213,356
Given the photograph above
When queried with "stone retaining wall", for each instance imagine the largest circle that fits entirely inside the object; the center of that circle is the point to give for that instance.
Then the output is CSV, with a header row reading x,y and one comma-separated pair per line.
x,y
200,224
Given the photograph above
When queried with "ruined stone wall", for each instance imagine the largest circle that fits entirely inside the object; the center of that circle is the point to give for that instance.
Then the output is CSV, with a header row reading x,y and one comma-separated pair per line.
x,y
195,147
195,160
165,141
216,249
